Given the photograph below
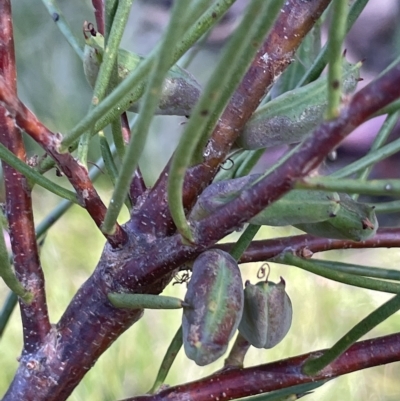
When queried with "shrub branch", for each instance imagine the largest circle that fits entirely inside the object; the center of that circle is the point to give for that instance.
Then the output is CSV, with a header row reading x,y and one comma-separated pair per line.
x,y
237,383
35,319
76,173
276,53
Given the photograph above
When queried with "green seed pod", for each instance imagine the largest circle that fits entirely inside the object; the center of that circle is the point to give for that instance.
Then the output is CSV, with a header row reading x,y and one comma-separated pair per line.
x,y
354,220
297,206
290,117
215,299
180,91
267,314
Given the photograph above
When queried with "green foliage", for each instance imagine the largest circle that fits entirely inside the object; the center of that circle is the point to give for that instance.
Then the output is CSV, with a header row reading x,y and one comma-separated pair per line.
x,y
323,310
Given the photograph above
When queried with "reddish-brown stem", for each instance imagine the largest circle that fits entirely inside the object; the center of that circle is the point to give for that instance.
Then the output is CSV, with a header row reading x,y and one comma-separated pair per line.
x,y
310,154
35,319
251,201
88,327
237,353
91,323
137,187
237,383
126,130
98,6
76,173
169,253
266,249
276,53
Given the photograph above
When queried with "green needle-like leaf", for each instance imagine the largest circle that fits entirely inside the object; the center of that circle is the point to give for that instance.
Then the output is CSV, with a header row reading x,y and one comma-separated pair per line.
x,y
244,241
320,62
313,366
373,187
142,124
6,310
371,158
337,33
169,358
358,270
144,301
34,177
121,98
388,207
357,281
6,270
58,18
233,64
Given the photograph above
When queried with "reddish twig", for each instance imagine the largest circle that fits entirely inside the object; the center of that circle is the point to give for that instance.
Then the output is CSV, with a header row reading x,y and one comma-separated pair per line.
x,y
311,153
91,324
76,173
98,6
251,201
86,330
137,187
35,319
259,251
163,256
276,53
238,383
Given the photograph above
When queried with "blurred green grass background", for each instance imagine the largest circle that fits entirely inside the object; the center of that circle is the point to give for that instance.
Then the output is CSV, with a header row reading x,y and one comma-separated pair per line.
x,y
51,83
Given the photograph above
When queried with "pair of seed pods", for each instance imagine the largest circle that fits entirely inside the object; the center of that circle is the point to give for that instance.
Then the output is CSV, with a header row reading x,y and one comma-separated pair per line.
x,y
287,119
217,306
321,213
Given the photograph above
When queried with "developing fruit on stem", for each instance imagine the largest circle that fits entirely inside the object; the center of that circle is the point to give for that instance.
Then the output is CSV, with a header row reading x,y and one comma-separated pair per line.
x,y
290,117
180,90
215,305
354,220
267,314
296,207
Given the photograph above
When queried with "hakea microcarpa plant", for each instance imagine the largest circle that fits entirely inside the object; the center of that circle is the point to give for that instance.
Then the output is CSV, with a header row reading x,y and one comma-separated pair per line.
x,y
171,224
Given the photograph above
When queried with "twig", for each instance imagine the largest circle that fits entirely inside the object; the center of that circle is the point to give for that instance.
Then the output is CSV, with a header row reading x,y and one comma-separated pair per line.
x,y
137,187
309,155
266,249
297,18
41,229
98,6
75,172
35,319
228,384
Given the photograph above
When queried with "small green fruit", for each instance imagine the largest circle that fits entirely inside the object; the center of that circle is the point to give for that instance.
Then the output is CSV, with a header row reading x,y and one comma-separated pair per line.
x,y
354,220
293,115
215,299
267,314
296,207
180,90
